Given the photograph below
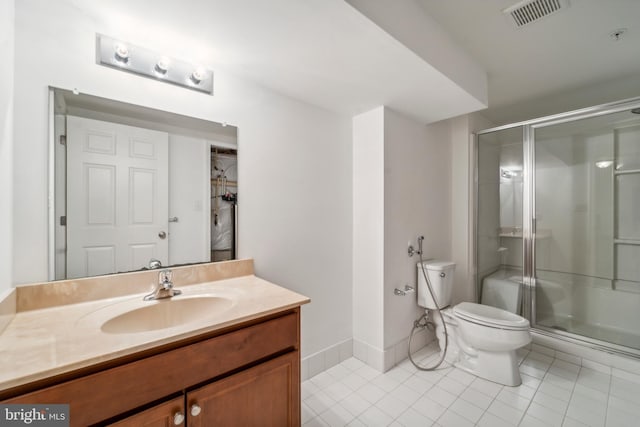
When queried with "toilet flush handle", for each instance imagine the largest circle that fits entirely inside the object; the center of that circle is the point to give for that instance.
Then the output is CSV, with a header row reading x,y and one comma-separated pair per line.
x,y
442,274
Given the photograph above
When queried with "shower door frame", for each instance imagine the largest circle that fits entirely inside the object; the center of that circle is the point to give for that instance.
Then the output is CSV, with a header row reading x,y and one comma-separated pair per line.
x,y
529,221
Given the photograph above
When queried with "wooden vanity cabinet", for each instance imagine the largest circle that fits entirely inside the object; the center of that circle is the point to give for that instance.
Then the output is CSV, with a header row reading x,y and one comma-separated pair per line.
x,y
248,375
260,396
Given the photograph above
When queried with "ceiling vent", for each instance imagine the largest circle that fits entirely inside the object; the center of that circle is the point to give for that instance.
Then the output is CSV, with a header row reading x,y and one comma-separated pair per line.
x,y
528,11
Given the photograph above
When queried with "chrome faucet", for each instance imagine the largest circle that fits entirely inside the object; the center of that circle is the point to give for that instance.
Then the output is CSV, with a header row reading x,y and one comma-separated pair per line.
x,y
164,288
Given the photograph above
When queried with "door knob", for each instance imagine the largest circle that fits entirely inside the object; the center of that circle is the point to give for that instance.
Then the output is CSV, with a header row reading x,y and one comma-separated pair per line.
x,y
195,409
178,418
162,235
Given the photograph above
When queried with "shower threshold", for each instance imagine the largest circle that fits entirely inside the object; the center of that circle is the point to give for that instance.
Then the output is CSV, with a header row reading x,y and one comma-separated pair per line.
x,y
601,337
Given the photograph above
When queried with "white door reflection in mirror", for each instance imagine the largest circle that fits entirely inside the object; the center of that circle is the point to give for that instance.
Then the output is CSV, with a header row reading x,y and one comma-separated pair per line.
x,y
117,197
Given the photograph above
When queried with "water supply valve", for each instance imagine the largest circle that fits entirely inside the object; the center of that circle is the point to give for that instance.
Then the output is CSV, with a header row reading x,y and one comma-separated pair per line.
x,y
407,290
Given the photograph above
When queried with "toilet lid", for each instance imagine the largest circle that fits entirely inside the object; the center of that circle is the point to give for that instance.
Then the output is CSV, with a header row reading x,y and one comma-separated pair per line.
x,y
490,316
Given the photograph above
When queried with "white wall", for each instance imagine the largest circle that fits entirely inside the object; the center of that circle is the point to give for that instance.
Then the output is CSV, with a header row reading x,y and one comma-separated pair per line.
x,y
568,100
368,235
401,190
417,202
294,167
6,142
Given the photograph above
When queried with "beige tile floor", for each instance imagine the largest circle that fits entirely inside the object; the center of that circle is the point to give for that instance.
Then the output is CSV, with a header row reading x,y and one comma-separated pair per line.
x,y
553,393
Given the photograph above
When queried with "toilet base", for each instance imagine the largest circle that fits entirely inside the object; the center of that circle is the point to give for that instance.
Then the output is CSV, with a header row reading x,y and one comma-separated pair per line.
x,y
498,367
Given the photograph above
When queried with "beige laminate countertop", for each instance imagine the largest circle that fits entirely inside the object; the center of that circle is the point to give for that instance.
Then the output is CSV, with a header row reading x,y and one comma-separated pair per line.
x,y
38,344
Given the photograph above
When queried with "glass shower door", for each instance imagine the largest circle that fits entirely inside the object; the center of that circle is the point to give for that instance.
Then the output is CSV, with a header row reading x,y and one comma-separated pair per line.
x,y
499,215
587,227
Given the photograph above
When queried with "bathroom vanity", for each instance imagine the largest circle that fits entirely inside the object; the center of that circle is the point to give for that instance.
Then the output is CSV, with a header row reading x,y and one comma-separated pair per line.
x,y
240,366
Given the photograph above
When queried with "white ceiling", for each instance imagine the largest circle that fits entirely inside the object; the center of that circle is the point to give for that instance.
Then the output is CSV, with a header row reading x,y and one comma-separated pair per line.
x,y
565,60
326,53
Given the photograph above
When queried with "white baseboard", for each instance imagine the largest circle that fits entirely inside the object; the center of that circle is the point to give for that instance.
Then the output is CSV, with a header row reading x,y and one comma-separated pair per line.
x,y
380,360
321,361
383,360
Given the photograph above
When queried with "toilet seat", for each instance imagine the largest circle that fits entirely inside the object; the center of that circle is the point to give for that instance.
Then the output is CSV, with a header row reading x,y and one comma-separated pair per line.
x,y
490,316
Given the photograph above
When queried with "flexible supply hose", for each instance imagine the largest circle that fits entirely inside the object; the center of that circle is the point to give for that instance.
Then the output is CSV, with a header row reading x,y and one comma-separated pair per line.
x,y
421,323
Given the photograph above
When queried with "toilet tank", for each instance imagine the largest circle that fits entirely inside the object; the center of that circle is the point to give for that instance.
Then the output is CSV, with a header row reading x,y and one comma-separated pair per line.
x,y
440,275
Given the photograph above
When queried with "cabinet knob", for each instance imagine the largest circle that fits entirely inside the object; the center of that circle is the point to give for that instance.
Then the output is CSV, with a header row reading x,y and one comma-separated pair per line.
x,y
178,418
195,409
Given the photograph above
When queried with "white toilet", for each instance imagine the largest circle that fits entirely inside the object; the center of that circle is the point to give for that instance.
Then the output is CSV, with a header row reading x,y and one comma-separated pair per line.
x,y
482,339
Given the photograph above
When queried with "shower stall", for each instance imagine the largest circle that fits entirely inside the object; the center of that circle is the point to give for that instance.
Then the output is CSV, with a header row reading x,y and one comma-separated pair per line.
x,y
558,215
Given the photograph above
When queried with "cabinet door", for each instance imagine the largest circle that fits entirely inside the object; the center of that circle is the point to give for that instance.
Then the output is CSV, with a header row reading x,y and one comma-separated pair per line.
x,y
265,395
166,414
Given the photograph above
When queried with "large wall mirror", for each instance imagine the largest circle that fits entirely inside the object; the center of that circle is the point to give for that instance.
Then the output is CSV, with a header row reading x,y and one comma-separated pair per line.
x,y
131,184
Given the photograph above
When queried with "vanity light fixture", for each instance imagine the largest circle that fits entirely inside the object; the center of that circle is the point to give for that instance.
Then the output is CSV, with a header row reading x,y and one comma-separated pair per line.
x,y
125,56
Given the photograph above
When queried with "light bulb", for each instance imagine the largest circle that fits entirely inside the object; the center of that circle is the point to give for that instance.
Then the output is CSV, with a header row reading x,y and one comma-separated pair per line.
x,y
122,53
162,66
604,163
197,75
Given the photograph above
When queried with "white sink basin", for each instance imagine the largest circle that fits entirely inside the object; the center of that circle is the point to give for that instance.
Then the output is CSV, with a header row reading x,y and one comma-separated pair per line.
x,y
166,313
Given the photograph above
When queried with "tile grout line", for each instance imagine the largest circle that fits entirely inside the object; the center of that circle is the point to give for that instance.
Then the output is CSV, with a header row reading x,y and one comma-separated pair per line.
x,y
564,413
571,397
484,411
459,396
421,395
524,414
606,411
451,365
